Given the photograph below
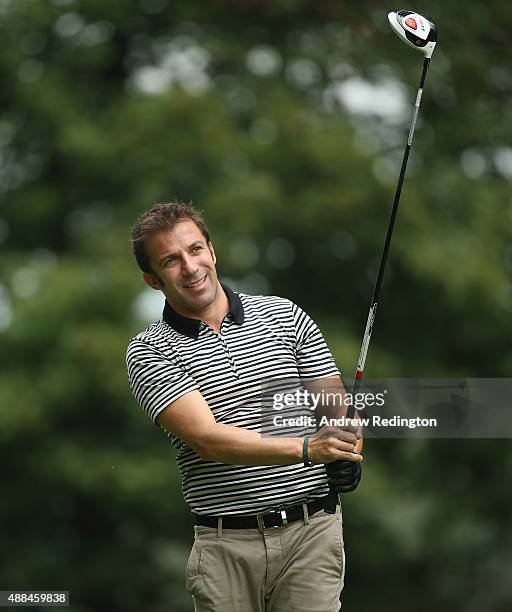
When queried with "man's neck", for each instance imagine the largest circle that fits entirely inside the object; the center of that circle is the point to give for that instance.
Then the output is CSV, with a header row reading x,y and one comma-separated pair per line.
x,y
213,314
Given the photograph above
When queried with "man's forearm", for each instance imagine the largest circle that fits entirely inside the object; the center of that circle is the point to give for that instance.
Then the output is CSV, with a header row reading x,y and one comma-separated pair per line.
x,y
235,445
330,401
327,396
190,419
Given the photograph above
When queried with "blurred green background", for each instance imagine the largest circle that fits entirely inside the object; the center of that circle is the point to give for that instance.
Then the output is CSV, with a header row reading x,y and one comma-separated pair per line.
x,y
285,122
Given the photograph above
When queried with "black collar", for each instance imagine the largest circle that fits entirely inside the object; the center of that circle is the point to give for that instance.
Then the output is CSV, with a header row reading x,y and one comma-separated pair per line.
x,y
190,327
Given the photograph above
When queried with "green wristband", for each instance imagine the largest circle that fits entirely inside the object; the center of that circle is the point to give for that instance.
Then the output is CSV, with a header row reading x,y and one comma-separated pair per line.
x,y
305,456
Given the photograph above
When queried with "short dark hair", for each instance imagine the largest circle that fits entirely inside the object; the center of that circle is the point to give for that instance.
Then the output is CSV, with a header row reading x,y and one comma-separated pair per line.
x,y
162,216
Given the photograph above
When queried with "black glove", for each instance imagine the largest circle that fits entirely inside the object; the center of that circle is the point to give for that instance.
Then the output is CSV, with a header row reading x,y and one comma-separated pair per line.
x,y
343,476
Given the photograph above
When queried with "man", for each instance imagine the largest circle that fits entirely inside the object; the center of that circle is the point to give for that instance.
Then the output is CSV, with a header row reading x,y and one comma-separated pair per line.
x,y
262,539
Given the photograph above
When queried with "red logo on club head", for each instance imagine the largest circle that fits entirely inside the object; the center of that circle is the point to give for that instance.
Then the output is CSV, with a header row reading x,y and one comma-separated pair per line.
x,y
411,23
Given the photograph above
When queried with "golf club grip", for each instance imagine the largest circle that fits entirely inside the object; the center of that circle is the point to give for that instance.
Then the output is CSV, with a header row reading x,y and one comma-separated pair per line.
x,y
331,503
333,497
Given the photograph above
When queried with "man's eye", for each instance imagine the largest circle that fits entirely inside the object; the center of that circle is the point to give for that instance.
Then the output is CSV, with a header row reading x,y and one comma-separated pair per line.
x,y
198,248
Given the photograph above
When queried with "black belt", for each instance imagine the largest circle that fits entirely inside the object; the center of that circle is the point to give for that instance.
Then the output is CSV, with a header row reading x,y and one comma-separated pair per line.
x,y
268,520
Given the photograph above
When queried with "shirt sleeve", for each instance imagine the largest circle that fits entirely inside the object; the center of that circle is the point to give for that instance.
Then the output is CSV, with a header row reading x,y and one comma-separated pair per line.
x,y
155,380
314,359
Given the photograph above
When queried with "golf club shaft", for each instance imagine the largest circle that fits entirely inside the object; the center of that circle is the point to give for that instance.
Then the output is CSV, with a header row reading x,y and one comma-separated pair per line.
x,y
380,275
330,507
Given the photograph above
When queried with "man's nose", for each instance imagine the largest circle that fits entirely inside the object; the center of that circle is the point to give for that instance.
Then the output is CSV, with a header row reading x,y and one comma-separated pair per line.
x,y
188,266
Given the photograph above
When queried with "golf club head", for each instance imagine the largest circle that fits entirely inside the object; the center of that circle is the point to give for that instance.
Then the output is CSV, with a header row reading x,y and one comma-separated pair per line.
x,y
414,29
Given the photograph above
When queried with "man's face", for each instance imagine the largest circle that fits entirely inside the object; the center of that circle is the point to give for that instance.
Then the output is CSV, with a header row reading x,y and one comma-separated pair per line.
x,y
184,263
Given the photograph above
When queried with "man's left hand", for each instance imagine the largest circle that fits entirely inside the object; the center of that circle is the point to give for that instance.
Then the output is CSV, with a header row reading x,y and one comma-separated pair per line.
x,y
344,476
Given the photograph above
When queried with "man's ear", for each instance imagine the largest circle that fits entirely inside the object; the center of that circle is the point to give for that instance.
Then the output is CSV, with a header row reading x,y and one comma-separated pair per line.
x,y
212,251
152,281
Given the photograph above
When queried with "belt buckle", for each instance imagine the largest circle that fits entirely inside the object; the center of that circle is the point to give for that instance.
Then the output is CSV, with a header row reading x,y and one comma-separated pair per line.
x,y
261,519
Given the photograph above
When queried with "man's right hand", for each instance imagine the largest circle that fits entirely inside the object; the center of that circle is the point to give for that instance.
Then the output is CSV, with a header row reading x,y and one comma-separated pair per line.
x,y
331,444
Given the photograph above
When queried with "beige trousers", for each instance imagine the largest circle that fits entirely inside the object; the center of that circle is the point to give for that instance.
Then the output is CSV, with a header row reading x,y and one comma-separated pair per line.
x,y
299,567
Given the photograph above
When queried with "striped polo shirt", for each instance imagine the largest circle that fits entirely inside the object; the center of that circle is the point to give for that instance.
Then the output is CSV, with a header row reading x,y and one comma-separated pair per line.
x,y
262,339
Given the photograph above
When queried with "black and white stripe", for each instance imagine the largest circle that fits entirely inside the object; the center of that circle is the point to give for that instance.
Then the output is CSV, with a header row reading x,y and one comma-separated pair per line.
x,y
263,339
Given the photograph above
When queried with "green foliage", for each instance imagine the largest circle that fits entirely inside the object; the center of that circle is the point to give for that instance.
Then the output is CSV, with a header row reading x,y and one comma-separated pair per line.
x,y
108,107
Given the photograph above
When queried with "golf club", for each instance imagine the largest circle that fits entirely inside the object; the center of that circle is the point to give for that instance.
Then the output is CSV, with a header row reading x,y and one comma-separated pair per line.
x,y
420,33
